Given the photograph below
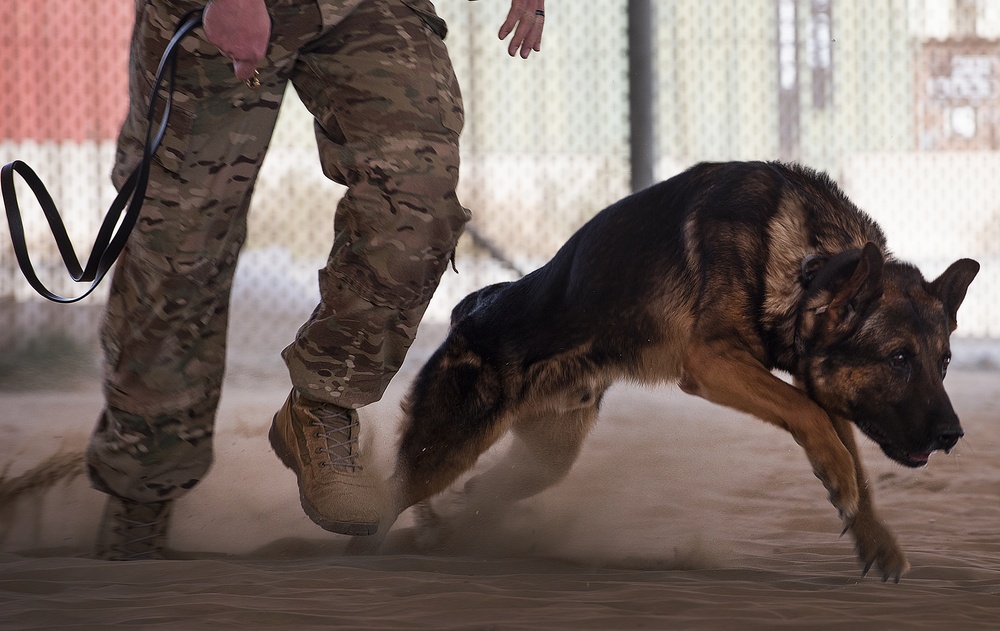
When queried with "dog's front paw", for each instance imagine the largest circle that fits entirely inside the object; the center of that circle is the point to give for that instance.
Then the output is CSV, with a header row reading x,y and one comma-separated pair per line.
x,y
838,476
877,547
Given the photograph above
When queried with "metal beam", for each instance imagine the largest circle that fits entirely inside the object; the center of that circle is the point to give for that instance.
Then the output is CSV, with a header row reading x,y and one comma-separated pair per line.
x,y
642,92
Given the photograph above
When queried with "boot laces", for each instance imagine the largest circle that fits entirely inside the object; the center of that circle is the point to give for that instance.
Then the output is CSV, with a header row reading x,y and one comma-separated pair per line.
x,y
140,534
340,429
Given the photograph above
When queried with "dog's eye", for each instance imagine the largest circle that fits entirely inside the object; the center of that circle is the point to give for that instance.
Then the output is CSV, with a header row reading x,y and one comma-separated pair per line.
x,y
899,360
944,365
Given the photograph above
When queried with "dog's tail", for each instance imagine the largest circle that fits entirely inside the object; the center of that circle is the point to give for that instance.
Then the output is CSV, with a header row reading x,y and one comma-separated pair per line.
x,y
62,466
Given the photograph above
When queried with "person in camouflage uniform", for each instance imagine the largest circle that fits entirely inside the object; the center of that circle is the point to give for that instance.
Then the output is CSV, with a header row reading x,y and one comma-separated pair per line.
x,y
376,76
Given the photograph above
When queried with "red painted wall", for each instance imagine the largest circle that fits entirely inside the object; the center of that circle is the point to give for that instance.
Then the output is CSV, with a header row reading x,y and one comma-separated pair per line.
x,y
63,68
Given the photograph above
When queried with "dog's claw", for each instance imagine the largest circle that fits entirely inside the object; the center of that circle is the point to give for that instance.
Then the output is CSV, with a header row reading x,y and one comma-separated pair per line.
x,y
876,548
895,578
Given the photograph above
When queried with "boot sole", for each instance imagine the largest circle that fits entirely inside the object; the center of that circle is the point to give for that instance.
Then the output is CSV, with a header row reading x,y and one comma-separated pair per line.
x,y
340,527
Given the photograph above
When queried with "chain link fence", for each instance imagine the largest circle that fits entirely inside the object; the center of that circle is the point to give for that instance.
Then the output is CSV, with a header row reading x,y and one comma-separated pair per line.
x,y
899,100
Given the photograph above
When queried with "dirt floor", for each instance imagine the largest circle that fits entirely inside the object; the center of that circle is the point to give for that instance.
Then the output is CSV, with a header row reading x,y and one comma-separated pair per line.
x,y
678,514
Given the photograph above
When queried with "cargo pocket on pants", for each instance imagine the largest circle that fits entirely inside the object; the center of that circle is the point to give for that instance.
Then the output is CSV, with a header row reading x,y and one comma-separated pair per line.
x,y
449,92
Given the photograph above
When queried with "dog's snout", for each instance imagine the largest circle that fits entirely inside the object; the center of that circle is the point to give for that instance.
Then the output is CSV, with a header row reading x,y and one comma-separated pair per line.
x,y
948,437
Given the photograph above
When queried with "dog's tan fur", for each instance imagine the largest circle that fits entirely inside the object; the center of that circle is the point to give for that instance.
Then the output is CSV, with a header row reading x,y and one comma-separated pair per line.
x,y
711,280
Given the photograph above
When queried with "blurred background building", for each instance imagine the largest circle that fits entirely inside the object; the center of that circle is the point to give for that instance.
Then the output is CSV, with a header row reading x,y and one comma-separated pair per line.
x,y
898,100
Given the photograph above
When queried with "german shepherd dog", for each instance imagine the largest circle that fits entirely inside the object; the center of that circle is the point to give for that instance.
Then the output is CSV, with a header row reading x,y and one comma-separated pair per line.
x,y
711,279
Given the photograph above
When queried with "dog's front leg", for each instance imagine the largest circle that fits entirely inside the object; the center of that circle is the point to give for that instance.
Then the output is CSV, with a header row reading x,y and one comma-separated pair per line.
x,y
874,542
730,376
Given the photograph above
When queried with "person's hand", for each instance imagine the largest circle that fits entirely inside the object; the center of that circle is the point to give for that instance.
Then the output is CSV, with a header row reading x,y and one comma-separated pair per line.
x,y
241,30
525,19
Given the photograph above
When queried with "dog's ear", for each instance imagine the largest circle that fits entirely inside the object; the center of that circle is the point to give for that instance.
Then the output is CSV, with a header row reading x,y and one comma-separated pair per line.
x,y
861,290
950,286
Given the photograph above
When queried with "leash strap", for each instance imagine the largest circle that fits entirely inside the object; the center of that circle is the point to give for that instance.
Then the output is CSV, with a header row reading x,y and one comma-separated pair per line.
x,y
109,242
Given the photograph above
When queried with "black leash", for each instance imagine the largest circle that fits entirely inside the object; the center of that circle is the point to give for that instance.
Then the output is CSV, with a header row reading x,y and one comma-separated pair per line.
x,y
109,242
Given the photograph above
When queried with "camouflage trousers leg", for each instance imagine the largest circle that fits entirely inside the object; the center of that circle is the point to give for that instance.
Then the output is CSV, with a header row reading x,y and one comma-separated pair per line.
x,y
388,116
164,331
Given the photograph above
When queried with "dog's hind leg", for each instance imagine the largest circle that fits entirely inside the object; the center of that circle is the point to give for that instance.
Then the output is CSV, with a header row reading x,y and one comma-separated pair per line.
x,y
874,542
433,452
455,411
457,408
545,446
427,466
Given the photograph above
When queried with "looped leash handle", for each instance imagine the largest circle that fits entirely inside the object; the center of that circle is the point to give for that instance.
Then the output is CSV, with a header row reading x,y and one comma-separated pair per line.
x,y
109,241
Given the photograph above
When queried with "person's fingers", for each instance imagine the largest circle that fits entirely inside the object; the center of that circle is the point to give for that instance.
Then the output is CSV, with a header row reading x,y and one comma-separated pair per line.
x,y
536,45
520,33
526,19
527,37
533,40
512,18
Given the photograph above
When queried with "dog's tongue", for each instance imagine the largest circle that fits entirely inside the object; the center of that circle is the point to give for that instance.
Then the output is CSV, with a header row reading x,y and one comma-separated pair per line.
x,y
919,459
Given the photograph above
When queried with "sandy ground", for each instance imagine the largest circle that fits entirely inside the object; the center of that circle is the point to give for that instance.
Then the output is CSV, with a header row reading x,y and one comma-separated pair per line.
x,y
678,515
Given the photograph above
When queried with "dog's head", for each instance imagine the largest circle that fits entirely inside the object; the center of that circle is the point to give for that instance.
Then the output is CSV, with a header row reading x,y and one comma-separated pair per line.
x,y
873,343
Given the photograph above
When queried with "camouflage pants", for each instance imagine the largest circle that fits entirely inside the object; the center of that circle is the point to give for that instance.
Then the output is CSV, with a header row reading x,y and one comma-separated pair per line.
x,y
376,76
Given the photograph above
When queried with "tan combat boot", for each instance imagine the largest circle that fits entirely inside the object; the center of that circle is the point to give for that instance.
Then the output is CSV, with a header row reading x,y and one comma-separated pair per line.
x,y
319,442
131,531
